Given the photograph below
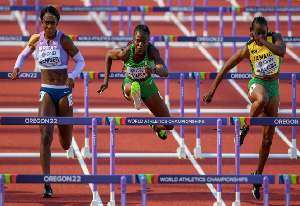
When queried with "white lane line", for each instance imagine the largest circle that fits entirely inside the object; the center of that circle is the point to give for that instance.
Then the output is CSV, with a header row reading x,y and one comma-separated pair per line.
x,y
194,162
285,139
295,56
83,166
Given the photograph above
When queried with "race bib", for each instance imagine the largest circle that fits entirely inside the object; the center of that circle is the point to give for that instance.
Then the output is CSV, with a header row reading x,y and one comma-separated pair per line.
x,y
49,58
266,66
136,73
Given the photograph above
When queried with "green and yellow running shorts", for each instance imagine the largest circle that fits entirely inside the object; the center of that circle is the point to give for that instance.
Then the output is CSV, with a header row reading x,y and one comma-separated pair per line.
x,y
148,87
272,87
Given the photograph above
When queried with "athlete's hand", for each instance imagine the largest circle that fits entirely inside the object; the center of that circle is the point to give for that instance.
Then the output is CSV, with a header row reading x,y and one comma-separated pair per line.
x,y
207,98
70,83
15,73
102,87
149,70
255,36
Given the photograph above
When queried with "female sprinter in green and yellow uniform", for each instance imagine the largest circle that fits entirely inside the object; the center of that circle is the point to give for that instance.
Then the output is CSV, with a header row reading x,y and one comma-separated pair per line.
x,y
265,52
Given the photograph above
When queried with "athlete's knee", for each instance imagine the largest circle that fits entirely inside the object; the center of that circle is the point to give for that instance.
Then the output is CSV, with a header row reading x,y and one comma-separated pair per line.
x,y
262,102
169,127
267,141
66,145
66,141
46,138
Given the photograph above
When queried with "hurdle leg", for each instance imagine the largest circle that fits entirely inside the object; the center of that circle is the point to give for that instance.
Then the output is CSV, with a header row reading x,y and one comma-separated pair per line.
x,y
70,152
1,190
197,149
123,191
112,201
181,149
287,190
94,161
237,162
293,150
266,191
85,151
219,162
144,190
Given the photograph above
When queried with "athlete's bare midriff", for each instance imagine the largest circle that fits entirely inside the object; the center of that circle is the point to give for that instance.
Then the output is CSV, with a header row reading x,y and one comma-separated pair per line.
x,y
272,77
54,76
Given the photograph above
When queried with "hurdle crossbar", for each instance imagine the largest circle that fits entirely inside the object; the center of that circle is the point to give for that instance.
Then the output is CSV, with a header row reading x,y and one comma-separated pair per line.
x,y
49,120
286,121
294,178
172,75
166,120
202,179
64,178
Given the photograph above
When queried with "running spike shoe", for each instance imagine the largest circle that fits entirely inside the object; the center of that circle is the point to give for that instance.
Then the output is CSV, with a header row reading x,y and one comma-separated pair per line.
x,y
136,93
47,191
243,132
255,190
161,134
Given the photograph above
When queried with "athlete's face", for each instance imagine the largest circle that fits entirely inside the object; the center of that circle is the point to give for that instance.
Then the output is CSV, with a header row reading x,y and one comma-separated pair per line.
x,y
140,41
49,24
261,31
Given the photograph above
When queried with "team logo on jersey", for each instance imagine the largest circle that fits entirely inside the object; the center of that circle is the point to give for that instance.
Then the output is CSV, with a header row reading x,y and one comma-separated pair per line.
x,y
253,51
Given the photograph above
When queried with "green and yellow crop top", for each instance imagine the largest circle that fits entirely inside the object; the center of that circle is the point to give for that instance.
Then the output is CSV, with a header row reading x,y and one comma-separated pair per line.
x,y
136,70
263,62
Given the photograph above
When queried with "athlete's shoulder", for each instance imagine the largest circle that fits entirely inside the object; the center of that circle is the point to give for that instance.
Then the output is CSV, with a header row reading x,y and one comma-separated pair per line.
x,y
250,42
33,41
271,33
34,38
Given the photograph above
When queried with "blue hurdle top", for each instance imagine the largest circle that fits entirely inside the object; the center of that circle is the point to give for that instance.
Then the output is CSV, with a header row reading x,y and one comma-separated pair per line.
x,y
49,120
166,120
271,9
287,121
19,8
157,38
96,8
172,75
65,178
201,179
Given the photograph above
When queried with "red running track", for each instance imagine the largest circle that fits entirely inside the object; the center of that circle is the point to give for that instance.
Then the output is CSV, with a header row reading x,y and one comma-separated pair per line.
x,y
132,139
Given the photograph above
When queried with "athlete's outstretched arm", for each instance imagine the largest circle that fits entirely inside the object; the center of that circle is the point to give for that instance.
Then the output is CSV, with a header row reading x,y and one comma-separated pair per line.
x,y
241,54
114,54
28,50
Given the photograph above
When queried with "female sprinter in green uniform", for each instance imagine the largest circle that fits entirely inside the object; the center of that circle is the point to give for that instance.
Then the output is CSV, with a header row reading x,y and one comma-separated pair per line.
x,y
265,52
139,58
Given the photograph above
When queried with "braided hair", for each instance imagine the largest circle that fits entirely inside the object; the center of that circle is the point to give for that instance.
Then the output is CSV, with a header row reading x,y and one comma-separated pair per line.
x,y
259,20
